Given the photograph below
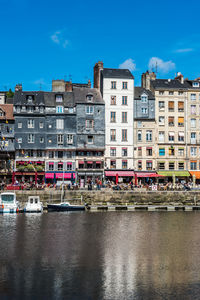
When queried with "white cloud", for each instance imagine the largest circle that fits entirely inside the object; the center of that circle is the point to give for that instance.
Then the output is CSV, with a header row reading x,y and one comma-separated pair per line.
x,y
184,50
58,38
161,65
128,64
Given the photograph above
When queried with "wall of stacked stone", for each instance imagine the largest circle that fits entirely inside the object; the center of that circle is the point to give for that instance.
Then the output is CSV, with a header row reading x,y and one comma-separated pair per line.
x,y
115,197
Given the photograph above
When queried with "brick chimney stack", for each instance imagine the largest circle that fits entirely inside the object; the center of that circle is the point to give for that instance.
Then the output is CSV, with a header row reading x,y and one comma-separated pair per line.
x,y
146,79
89,84
180,77
97,68
68,86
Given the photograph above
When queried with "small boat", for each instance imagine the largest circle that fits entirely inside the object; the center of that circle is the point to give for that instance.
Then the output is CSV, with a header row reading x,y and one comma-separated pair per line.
x,y
65,206
8,203
33,205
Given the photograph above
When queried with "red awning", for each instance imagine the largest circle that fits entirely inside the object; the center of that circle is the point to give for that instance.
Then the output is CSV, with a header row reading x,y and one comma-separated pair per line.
x,y
120,173
49,175
51,163
69,163
146,174
98,162
89,162
66,175
81,162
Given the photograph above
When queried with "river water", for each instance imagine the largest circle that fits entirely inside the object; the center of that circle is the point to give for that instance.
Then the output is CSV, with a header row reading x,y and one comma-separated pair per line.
x,y
105,255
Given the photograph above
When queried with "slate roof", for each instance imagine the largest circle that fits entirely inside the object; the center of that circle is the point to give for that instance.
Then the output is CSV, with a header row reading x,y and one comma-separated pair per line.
x,y
189,84
80,95
20,98
138,91
8,110
117,73
50,99
168,84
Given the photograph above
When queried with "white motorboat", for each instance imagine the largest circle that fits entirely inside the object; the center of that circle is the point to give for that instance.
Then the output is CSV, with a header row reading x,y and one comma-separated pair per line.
x,y
8,203
33,205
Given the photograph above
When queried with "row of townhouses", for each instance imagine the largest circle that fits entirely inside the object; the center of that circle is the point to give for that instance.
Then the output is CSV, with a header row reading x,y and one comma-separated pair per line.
x,y
115,130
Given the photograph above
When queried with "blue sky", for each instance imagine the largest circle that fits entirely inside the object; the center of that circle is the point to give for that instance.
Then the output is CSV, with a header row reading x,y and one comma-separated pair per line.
x,y
45,40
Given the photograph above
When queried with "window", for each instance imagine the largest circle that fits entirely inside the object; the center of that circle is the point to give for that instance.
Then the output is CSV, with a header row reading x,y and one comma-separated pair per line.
x,y
149,151
193,138
161,92
59,98
193,109
112,116
180,93
180,106
171,136
41,140
171,151
70,110
89,110
60,166
171,165
171,93
161,105
144,98
124,117
139,135
149,135
31,123
171,106
181,151
124,152
161,136
31,138
113,164
60,154
124,135
113,85
30,109
149,165
90,139
51,154
139,124
51,166
193,97
193,151
89,124
89,98
29,98
18,109
19,124
144,110
181,165
139,151
59,124
161,165
19,140
112,135
193,123
124,100
162,151
41,125
161,120
181,136
70,139
195,84
69,166
193,165
59,109
60,139
124,85
113,100
139,165
30,153
171,121
39,153
180,121
124,164
112,151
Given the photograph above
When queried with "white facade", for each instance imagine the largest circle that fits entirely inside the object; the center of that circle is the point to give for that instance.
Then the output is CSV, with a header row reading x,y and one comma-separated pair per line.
x,y
118,94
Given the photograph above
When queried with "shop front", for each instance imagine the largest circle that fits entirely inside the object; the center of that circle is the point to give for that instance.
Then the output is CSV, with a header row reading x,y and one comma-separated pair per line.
x,y
59,177
146,178
119,176
28,177
195,177
88,177
174,176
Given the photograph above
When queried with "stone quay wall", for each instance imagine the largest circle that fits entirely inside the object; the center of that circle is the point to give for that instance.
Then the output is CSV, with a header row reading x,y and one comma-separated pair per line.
x,y
106,197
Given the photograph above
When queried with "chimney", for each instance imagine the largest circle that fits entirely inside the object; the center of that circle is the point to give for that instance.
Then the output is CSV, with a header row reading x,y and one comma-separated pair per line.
x,y
146,79
68,86
89,84
18,87
97,68
58,85
180,77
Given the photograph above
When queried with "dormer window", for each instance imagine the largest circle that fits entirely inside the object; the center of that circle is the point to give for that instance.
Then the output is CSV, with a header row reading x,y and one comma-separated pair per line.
x,y
29,98
41,109
59,109
59,98
30,109
144,98
89,98
2,113
195,84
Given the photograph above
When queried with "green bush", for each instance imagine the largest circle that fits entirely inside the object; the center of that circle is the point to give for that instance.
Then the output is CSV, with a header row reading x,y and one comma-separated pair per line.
x,y
30,168
39,168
